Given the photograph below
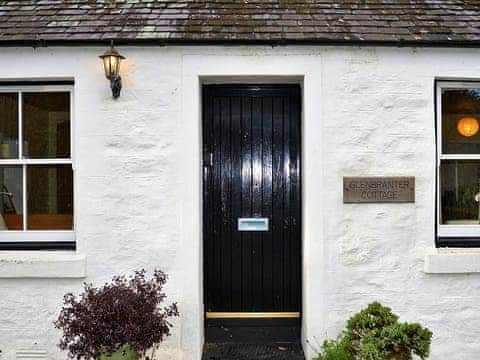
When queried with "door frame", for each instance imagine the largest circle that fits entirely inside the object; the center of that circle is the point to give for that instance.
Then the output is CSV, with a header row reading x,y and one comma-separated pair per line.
x,y
238,65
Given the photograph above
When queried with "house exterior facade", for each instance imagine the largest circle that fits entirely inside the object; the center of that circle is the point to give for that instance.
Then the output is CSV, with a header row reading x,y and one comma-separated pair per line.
x,y
129,191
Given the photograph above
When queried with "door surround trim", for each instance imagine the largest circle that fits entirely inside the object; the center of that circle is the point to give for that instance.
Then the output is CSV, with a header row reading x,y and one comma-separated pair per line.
x,y
293,65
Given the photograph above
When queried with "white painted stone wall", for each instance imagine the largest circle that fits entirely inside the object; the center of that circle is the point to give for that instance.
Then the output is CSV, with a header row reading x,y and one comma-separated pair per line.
x,y
367,111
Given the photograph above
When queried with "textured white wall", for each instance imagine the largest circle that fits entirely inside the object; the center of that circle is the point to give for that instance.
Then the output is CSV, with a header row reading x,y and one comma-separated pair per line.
x,y
367,111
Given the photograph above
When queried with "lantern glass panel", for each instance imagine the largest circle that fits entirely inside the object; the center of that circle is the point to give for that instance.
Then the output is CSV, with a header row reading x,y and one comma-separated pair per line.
x,y
112,66
106,66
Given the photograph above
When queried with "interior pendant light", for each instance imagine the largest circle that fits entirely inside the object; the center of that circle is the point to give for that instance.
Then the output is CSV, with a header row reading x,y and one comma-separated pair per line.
x,y
468,126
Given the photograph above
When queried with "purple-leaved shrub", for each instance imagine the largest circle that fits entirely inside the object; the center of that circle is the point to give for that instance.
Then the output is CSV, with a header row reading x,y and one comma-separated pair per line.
x,y
126,312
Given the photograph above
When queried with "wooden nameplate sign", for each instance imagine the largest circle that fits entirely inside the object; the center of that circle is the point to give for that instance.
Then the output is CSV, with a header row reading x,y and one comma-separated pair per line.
x,y
379,189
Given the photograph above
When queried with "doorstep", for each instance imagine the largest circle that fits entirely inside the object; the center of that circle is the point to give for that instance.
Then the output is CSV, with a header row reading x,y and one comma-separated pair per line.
x,y
242,351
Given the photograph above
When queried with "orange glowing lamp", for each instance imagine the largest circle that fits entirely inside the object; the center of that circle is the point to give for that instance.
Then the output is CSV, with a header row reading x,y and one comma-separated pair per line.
x,y
468,126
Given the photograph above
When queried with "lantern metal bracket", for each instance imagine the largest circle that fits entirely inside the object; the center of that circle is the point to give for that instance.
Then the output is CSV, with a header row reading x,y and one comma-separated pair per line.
x,y
116,86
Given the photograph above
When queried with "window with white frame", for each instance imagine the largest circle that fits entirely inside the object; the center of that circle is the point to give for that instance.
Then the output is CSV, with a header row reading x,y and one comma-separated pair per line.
x,y
36,174
458,161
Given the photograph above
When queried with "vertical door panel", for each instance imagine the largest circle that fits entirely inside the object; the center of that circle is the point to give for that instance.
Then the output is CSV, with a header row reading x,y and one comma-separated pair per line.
x,y
257,253
277,211
225,204
295,203
237,268
267,173
246,160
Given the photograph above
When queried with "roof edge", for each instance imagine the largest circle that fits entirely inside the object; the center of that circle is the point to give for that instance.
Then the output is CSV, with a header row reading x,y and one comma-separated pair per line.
x,y
36,43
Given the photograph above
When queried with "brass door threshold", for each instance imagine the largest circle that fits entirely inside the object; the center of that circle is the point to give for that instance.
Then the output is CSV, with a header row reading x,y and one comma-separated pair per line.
x,y
251,315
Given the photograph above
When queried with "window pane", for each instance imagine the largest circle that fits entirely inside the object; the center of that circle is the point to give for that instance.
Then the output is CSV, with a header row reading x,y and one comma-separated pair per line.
x,y
50,197
8,126
11,205
461,121
460,192
46,125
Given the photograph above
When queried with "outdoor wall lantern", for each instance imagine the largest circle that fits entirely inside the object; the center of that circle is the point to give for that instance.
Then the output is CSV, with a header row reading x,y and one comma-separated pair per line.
x,y
111,63
468,126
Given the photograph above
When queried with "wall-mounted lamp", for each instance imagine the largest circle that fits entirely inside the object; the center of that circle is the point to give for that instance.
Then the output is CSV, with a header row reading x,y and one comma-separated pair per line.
x,y
111,63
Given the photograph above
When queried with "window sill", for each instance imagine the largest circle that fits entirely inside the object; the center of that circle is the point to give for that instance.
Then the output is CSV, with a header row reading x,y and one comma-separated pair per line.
x,y
452,261
42,265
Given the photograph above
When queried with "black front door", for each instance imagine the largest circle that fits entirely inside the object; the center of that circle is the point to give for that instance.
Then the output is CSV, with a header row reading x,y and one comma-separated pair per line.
x,y
252,201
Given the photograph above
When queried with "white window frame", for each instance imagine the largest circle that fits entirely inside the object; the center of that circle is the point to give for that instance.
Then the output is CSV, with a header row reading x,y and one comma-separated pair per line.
x,y
38,236
453,231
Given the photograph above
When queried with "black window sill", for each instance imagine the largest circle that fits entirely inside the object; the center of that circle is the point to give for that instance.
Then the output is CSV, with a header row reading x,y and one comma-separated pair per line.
x,y
38,245
458,242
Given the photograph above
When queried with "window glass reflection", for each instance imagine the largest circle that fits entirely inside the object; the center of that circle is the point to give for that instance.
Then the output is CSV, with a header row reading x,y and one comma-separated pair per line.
x,y
46,125
460,192
11,199
8,126
50,197
461,121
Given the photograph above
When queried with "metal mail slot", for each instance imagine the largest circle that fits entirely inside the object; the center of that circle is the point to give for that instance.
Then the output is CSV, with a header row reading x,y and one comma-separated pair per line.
x,y
252,224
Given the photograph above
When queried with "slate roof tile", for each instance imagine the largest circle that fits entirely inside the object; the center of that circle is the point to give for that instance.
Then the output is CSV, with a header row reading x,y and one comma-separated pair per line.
x,y
377,21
